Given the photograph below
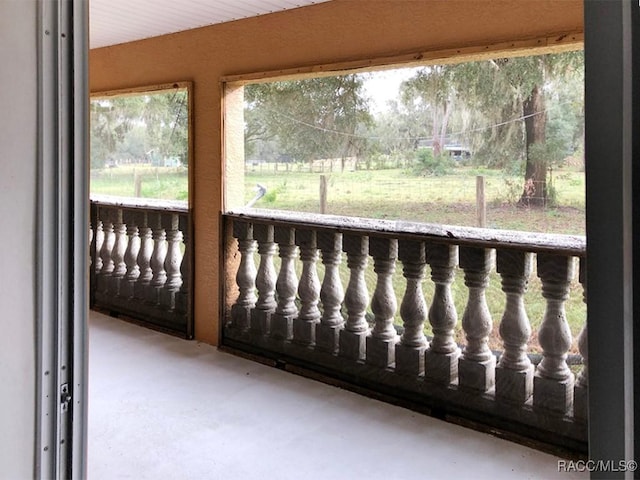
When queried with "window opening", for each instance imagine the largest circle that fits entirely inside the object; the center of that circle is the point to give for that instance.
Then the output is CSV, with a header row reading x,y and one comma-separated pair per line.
x,y
140,143
410,144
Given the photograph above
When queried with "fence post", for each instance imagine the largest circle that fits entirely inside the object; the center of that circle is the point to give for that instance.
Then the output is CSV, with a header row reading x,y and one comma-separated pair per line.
x,y
137,184
323,194
481,204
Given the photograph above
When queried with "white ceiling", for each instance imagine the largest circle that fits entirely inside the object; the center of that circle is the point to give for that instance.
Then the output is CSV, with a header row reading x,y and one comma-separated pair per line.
x,y
121,21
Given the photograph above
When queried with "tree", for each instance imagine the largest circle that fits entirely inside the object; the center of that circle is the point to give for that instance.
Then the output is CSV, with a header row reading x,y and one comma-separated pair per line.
x,y
128,126
500,108
309,119
523,83
432,91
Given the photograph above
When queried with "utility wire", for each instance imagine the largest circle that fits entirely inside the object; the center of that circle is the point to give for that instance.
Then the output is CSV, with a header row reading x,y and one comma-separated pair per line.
x,y
373,137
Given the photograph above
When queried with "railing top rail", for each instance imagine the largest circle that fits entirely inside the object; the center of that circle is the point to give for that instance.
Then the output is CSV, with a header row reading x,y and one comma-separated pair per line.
x,y
574,245
141,203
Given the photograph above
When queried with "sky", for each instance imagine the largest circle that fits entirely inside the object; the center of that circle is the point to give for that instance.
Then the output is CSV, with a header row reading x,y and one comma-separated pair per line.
x,y
384,86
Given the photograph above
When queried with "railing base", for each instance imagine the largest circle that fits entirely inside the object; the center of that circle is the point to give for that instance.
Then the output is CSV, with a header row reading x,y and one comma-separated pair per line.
x,y
548,431
515,423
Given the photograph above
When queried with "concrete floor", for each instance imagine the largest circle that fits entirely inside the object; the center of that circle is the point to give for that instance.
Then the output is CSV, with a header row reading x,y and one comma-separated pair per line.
x,y
164,408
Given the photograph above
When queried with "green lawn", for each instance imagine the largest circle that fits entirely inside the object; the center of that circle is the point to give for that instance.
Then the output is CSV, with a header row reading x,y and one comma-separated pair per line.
x,y
449,199
157,182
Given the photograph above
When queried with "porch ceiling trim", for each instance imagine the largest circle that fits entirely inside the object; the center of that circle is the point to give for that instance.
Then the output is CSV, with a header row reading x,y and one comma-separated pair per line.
x,y
120,21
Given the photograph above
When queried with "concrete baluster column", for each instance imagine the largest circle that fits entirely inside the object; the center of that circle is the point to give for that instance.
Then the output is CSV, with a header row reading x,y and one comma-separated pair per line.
x,y
144,257
172,261
382,341
441,358
245,277
91,246
353,336
182,297
477,366
331,293
304,325
98,238
117,254
413,309
158,256
553,381
131,219
286,285
107,265
514,373
581,391
265,280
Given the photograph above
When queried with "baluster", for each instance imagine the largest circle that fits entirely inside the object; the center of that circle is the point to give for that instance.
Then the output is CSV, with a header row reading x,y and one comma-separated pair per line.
x,y
441,358
99,241
331,293
131,254
158,256
144,257
286,285
581,391
514,373
94,251
477,365
553,381
109,240
382,341
117,254
413,310
182,297
265,280
304,325
352,337
172,261
91,245
245,278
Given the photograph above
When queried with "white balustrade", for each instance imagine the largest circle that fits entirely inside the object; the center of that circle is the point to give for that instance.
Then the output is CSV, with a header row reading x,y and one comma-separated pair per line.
x,y
353,334
356,329
304,325
286,285
413,309
477,365
118,251
581,392
245,278
131,254
106,261
158,257
182,297
382,341
441,358
553,380
144,258
265,281
514,373
139,270
331,293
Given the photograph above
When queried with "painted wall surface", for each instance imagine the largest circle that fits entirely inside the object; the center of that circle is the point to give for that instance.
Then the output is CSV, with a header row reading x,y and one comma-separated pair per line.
x,y
18,194
336,31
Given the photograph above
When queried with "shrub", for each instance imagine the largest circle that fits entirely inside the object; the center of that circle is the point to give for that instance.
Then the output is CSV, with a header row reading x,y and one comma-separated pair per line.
x,y
426,163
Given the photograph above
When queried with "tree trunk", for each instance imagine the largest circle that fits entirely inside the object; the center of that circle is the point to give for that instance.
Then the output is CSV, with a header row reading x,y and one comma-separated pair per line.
x,y
435,143
535,177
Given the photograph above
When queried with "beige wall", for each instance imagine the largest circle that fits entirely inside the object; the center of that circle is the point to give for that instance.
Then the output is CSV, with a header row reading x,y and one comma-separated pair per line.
x,y
336,31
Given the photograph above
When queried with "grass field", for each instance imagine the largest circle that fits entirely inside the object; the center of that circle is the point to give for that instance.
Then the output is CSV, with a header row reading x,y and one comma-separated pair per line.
x,y
157,182
395,194
449,199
